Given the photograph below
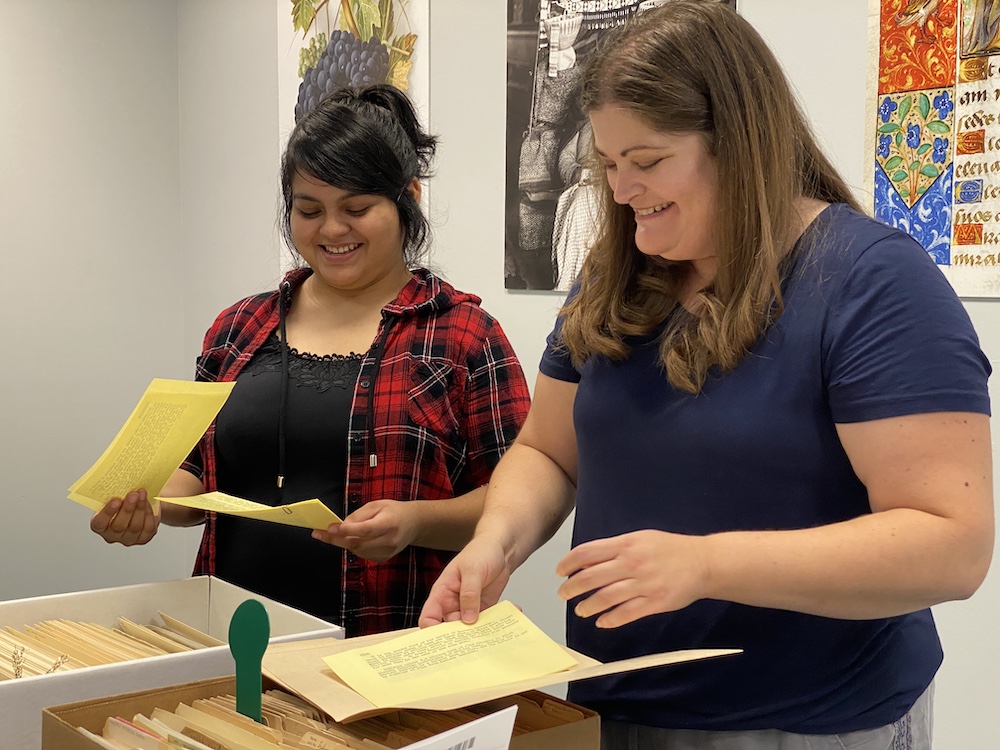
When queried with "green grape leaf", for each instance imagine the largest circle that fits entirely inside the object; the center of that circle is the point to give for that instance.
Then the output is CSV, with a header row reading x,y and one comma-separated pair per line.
x,y
914,165
930,170
936,126
366,13
921,190
388,26
904,193
900,176
899,140
345,18
904,108
889,127
924,106
399,74
303,13
924,148
893,163
400,52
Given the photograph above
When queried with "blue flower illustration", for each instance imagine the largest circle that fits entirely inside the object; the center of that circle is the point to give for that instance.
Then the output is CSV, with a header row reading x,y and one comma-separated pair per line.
x,y
886,109
912,136
883,145
940,152
944,104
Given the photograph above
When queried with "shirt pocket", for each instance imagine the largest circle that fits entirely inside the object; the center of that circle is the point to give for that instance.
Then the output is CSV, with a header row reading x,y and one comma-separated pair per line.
x,y
430,404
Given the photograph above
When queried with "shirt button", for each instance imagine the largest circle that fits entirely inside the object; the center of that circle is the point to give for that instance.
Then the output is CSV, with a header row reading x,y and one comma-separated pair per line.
x,y
365,383
351,557
357,439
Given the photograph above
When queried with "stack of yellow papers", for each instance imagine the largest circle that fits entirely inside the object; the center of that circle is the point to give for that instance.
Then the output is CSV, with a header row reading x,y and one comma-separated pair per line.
x,y
162,430
502,647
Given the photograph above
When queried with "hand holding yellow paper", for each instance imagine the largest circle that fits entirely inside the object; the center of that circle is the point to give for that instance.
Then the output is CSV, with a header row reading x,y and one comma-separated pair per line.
x,y
162,430
503,646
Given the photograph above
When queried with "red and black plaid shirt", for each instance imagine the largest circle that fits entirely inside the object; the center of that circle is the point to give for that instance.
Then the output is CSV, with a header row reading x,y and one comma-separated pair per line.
x,y
449,399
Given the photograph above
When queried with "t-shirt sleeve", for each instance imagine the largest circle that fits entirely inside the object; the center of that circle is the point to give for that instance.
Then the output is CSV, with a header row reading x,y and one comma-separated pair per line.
x,y
556,362
898,341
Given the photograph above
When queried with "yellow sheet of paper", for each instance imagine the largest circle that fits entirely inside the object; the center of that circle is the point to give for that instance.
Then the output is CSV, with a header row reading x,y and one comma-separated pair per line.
x,y
503,646
307,514
162,430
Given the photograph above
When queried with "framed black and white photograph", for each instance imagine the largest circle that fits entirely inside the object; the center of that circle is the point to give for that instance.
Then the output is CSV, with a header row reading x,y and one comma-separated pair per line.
x,y
551,195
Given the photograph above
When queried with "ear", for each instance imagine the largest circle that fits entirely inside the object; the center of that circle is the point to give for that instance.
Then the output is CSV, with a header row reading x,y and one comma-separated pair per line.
x,y
415,189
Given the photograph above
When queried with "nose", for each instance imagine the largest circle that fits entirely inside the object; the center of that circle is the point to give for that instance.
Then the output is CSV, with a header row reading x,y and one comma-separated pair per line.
x,y
624,186
334,225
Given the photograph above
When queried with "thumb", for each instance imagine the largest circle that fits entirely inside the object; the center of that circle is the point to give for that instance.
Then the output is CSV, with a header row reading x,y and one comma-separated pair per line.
x,y
470,597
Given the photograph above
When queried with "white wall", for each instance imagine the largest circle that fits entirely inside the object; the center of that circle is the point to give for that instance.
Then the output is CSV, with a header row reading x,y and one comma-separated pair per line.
x,y
89,217
228,156
137,198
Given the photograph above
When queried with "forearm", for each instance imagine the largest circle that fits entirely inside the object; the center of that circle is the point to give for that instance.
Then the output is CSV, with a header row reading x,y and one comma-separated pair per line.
x,y
528,498
181,484
448,524
879,565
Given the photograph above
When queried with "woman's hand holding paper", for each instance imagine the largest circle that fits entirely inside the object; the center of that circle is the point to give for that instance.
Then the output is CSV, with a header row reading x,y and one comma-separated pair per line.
x,y
127,521
376,531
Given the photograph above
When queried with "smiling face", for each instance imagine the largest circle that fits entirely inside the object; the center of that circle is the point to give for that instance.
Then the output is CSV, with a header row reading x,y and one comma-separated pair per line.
x,y
353,242
669,180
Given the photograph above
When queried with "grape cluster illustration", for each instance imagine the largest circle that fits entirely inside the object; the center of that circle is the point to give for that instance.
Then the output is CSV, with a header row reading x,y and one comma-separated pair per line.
x,y
346,61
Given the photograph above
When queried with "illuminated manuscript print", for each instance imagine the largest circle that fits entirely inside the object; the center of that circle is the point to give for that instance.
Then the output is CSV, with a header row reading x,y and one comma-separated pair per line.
x,y
935,132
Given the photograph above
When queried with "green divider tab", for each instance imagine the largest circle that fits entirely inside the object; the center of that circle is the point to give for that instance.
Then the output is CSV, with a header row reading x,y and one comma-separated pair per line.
x,y
249,631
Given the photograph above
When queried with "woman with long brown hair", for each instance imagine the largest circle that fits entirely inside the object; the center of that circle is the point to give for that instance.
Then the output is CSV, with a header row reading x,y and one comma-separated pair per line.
x,y
769,411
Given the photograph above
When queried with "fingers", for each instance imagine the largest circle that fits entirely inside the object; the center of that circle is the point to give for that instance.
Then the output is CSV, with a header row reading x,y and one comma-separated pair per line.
x,y
151,520
587,555
101,520
356,525
442,603
335,536
635,575
626,612
607,597
357,529
470,598
472,581
127,521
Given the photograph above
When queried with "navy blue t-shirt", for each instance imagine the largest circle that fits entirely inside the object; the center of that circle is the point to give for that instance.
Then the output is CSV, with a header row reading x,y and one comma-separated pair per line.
x,y
871,329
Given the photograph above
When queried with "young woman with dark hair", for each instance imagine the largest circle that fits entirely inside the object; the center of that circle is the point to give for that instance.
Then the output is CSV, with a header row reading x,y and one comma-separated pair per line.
x,y
363,380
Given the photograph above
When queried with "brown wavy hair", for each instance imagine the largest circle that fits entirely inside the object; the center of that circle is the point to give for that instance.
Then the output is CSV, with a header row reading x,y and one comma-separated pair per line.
x,y
696,66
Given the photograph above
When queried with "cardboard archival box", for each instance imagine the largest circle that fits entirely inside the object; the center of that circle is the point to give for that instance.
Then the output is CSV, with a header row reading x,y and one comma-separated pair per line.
x,y
298,668
202,602
580,730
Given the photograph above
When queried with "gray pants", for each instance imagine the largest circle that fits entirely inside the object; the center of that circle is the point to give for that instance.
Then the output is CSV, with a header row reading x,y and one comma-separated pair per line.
x,y
911,732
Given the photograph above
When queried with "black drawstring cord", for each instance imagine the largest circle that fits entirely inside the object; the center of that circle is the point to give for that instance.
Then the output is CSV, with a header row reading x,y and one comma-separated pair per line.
x,y
284,299
379,351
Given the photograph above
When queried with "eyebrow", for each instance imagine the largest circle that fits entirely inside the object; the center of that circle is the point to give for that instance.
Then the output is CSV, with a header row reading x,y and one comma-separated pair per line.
x,y
307,197
626,152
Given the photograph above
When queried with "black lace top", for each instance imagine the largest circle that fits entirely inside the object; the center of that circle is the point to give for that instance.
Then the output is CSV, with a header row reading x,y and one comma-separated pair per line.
x,y
284,562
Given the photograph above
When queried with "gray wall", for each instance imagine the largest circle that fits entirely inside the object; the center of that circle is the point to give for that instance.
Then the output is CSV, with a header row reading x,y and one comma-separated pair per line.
x,y
90,215
137,196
